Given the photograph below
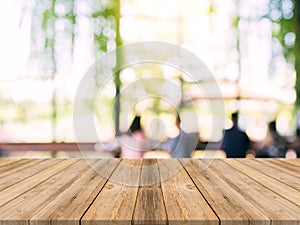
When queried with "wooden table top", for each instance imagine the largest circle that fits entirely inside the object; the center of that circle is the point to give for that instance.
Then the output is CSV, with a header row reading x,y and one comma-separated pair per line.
x,y
229,191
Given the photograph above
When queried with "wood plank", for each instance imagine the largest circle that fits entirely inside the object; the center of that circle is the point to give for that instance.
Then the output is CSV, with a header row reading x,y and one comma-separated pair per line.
x,y
116,201
21,187
22,208
184,203
229,204
4,162
283,166
11,168
282,189
56,191
22,173
280,210
295,162
278,172
150,207
52,146
71,204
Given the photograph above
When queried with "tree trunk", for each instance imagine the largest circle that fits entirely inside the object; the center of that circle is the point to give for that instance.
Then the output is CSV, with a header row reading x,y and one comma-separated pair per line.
x,y
117,81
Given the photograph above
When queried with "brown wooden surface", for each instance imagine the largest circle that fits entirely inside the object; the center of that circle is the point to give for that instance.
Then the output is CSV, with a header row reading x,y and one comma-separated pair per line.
x,y
149,191
51,146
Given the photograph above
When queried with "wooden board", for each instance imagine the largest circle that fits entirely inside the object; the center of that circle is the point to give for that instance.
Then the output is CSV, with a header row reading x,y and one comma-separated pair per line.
x,y
282,174
182,199
23,171
295,162
149,191
277,208
288,192
115,203
72,203
150,207
26,204
21,187
6,162
16,165
228,203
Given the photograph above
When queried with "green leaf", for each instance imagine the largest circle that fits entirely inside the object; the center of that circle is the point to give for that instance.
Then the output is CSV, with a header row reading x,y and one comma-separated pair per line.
x,y
45,19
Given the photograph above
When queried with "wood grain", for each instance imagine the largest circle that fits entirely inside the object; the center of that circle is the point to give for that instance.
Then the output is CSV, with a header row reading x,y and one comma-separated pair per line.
x,y
282,166
30,202
229,204
282,189
278,209
24,171
115,203
295,162
16,165
150,207
7,161
21,187
278,172
70,205
182,199
131,191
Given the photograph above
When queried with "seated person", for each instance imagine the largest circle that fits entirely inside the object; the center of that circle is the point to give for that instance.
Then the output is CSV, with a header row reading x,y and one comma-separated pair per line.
x,y
235,143
134,142
183,145
274,146
131,144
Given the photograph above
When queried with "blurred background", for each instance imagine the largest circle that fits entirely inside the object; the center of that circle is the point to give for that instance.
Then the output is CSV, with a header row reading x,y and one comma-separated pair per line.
x,y
251,48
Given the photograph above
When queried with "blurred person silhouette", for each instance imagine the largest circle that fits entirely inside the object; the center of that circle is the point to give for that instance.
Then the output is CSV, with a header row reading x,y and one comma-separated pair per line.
x,y
296,144
274,145
183,145
235,143
134,142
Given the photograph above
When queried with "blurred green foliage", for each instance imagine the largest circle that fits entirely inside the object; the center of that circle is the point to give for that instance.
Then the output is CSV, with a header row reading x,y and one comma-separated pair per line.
x,y
105,16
